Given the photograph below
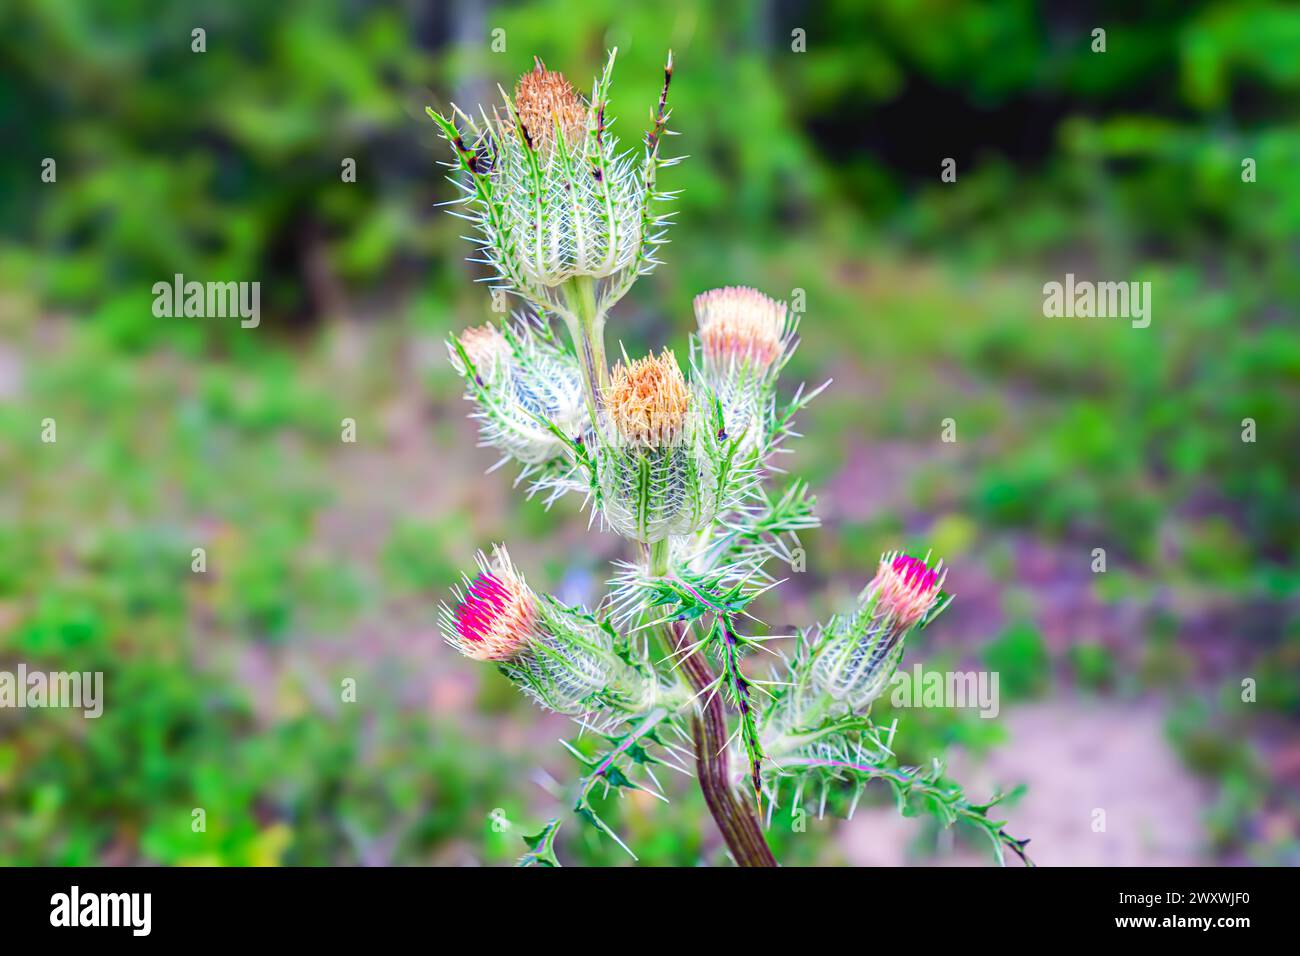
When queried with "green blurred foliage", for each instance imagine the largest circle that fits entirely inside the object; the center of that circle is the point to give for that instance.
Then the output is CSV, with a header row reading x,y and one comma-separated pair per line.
x,y
1021,659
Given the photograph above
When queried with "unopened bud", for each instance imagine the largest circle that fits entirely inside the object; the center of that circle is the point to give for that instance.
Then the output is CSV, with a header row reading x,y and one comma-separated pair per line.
x,y
857,654
521,386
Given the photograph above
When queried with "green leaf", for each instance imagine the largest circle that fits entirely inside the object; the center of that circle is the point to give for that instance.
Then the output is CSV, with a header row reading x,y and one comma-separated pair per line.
x,y
541,846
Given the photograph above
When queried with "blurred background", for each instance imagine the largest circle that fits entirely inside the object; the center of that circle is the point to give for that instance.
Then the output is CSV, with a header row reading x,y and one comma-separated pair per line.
x,y
816,170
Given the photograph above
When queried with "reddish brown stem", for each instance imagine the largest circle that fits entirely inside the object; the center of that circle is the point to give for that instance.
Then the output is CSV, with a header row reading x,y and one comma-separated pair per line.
x,y
736,818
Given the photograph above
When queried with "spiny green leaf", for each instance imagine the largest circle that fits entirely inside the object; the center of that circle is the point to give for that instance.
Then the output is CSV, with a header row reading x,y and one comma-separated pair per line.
x,y
541,846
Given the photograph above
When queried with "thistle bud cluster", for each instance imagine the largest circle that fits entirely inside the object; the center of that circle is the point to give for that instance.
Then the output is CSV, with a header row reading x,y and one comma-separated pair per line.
x,y
678,464
561,656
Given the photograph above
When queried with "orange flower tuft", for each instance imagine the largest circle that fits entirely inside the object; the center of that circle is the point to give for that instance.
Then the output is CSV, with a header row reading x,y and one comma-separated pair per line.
x,y
543,97
647,400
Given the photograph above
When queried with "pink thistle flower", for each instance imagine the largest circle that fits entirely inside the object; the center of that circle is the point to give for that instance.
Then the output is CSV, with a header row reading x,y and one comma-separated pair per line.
x,y
906,588
496,615
740,327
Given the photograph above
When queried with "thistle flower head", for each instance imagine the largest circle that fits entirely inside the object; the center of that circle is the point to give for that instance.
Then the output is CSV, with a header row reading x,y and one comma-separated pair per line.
x,y
562,657
745,338
495,617
647,401
906,588
550,194
856,654
544,100
740,326
663,465
522,385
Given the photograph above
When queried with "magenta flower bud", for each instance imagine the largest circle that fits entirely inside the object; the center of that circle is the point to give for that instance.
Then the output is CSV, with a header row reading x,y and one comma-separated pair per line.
x,y
495,618
561,657
856,654
906,588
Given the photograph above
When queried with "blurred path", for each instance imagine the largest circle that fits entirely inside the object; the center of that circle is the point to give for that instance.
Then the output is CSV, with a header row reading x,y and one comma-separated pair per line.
x,y
1077,757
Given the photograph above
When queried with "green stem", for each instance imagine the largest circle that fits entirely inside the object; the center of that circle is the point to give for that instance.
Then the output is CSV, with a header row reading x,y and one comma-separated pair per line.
x,y
657,558
587,328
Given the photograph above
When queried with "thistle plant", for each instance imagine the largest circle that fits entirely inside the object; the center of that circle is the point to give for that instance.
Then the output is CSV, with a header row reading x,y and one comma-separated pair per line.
x,y
680,462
